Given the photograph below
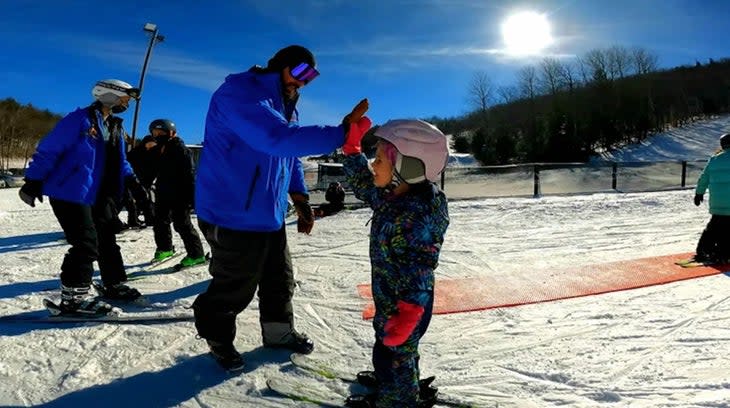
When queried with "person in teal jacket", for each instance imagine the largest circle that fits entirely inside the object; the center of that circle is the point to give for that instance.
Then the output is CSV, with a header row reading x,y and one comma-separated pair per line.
x,y
714,243
82,166
248,166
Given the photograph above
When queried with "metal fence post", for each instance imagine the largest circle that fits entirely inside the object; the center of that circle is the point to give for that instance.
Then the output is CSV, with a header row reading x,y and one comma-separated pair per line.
x,y
684,173
614,176
536,189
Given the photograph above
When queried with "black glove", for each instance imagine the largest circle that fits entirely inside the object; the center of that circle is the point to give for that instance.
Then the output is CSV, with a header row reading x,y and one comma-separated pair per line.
x,y
138,192
698,199
31,190
305,221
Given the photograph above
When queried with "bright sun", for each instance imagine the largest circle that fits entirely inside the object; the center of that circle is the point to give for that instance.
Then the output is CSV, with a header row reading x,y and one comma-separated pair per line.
x,y
526,33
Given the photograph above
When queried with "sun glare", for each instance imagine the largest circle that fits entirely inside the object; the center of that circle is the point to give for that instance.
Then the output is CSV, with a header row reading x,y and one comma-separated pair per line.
x,y
526,33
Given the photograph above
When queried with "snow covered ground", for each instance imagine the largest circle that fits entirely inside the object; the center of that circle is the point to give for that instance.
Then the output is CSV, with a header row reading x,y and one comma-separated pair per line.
x,y
662,346
694,141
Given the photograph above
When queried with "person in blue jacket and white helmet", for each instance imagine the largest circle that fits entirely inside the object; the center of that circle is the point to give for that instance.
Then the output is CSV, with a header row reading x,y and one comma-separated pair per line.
x,y
81,166
248,165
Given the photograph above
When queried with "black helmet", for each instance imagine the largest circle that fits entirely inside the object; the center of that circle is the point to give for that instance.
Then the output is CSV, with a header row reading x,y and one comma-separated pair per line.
x,y
291,56
725,141
163,124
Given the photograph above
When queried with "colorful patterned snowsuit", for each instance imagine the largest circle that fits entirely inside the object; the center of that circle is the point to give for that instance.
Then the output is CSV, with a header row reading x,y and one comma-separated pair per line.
x,y
405,241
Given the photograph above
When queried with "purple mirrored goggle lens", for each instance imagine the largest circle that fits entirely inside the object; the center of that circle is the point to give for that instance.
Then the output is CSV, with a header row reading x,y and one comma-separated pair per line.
x,y
304,72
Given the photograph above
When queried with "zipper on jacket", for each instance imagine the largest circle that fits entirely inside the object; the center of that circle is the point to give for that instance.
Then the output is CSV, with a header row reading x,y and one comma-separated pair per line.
x,y
251,188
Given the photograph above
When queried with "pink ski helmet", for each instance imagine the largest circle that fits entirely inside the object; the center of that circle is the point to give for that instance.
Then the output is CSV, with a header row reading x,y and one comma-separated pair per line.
x,y
419,140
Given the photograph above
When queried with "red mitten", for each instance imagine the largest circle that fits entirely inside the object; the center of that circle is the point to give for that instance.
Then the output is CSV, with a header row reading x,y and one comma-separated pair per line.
x,y
354,136
400,326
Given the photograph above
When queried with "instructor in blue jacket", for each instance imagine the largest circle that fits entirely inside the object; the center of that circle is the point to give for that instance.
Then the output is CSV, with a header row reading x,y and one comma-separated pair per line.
x,y
81,166
248,166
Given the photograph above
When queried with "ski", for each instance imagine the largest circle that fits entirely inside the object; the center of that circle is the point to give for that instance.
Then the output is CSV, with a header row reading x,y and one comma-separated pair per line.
x,y
306,391
324,369
691,263
53,314
151,269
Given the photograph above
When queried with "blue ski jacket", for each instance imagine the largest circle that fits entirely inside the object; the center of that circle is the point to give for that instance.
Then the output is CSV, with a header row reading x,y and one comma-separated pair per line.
x,y
716,176
249,161
70,159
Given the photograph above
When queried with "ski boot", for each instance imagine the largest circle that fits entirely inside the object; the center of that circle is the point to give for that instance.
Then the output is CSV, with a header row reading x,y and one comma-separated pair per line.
x,y
162,255
283,335
117,291
427,393
226,355
78,301
189,261
360,401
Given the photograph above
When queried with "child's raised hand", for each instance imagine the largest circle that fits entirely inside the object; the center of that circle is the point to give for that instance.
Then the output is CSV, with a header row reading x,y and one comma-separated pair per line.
x,y
400,326
354,136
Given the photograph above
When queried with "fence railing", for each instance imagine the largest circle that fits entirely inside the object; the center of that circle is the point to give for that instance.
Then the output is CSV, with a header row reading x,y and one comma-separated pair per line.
x,y
537,179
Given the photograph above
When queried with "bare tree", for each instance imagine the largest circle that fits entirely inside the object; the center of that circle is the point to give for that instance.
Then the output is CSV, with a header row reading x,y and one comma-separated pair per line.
x,y
551,79
528,82
508,93
480,91
597,63
584,69
569,75
644,62
619,61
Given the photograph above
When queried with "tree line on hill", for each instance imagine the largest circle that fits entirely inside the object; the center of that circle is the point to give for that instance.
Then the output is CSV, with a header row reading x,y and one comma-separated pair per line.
x,y
568,110
21,127
559,110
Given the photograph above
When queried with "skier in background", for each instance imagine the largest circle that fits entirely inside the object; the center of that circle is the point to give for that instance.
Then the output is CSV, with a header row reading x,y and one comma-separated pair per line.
x,y
174,195
410,218
714,244
335,196
82,166
143,159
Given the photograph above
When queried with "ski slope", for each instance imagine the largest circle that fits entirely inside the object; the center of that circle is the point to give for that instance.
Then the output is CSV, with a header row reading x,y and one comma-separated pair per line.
x,y
662,346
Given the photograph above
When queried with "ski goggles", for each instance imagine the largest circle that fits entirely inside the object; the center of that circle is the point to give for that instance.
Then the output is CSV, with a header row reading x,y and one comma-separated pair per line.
x,y
304,72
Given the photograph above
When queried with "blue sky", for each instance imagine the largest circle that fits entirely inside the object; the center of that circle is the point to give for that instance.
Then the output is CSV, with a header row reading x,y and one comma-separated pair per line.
x,y
411,58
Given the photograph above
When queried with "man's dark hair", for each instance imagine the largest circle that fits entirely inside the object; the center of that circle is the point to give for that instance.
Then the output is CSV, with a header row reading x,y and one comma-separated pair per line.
x,y
290,56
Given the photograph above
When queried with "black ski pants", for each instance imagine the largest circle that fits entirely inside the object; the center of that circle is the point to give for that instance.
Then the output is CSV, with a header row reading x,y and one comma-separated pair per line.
x,y
91,232
179,215
241,262
715,239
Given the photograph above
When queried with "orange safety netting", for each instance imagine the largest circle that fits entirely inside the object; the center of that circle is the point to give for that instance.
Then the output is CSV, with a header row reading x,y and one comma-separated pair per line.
x,y
471,294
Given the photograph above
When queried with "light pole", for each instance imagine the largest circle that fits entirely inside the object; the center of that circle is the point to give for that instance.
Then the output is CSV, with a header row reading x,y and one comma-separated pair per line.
x,y
155,38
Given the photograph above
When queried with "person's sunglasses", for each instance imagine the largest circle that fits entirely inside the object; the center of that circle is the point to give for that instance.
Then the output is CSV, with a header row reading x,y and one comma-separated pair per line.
x,y
304,72
133,93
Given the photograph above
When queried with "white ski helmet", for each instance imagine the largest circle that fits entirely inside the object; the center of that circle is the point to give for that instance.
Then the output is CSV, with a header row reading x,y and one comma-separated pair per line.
x,y
416,139
108,91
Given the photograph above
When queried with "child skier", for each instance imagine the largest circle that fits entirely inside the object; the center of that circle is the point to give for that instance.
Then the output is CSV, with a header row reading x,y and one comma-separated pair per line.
x,y
409,221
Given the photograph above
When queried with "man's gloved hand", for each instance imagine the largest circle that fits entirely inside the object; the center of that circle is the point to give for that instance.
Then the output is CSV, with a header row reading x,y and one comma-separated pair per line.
x,y
305,215
354,136
31,190
138,192
698,199
400,326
